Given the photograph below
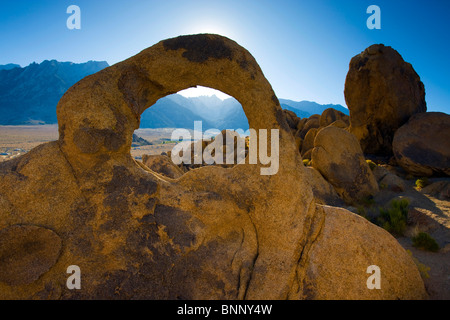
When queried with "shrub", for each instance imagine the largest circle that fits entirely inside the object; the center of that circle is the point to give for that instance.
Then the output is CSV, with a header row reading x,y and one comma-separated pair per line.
x,y
394,218
368,201
424,241
422,183
371,164
306,162
423,269
361,211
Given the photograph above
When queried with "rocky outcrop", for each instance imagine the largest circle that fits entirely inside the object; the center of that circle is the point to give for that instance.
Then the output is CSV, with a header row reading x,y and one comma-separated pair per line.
x,y
422,146
339,158
26,253
388,180
323,191
163,165
308,143
331,115
343,234
213,233
313,122
382,92
439,189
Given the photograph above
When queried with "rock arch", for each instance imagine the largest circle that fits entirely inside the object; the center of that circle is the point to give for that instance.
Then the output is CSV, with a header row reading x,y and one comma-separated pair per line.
x,y
213,233
98,114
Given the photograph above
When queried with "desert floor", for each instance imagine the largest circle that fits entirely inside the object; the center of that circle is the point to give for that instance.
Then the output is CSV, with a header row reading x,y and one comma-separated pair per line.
x,y
17,140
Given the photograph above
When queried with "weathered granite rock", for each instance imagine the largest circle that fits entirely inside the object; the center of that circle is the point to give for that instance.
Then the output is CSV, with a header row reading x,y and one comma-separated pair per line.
x,y
312,123
308,143
26,253
340,124
163,165
439,189
422,146
339,158
381,91
342,253
213,233
323,191
331,115
393,183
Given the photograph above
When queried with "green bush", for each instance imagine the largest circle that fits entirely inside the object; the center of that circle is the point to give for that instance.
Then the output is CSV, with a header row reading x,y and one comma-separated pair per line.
x,y
423,269
371,164
424,241
368,201
361,211
306,162
422,183
394,218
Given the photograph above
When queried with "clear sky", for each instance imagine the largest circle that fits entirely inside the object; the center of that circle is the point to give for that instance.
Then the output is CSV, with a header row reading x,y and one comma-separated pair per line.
x,y
303,47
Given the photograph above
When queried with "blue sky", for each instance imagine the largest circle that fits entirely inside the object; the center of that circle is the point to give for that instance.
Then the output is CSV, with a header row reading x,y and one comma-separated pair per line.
x,y
303,47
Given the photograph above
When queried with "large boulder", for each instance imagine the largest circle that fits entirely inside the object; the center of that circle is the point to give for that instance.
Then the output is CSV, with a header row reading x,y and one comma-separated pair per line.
x,y
439,189
329,275
422,146
308,143
312,123
339,158
331,115
213,233
323,191
382,92
163,165
291,119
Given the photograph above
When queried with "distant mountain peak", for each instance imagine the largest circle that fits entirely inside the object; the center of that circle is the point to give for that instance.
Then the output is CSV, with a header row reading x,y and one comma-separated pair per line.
x,y
9,66
29,95
306,108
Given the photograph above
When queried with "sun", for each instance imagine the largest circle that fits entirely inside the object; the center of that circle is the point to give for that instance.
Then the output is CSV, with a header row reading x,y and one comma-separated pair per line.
x,y
203,91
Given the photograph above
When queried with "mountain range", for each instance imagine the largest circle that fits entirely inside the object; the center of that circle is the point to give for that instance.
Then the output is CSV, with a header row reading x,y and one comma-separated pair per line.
x,y
29,96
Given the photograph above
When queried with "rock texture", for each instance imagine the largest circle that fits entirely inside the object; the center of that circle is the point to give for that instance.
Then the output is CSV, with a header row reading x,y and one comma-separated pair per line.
x,y
163,165
308,143
382,92
27,252
213,233
344,238
331,115
440,190
338,157
422,146
323,191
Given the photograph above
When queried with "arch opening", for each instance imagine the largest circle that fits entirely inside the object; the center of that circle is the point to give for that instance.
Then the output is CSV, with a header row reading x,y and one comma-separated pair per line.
x,y
212,121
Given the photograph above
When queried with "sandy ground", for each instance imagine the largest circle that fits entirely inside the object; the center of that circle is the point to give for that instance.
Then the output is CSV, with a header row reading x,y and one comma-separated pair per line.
x,y
434,218
431,215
